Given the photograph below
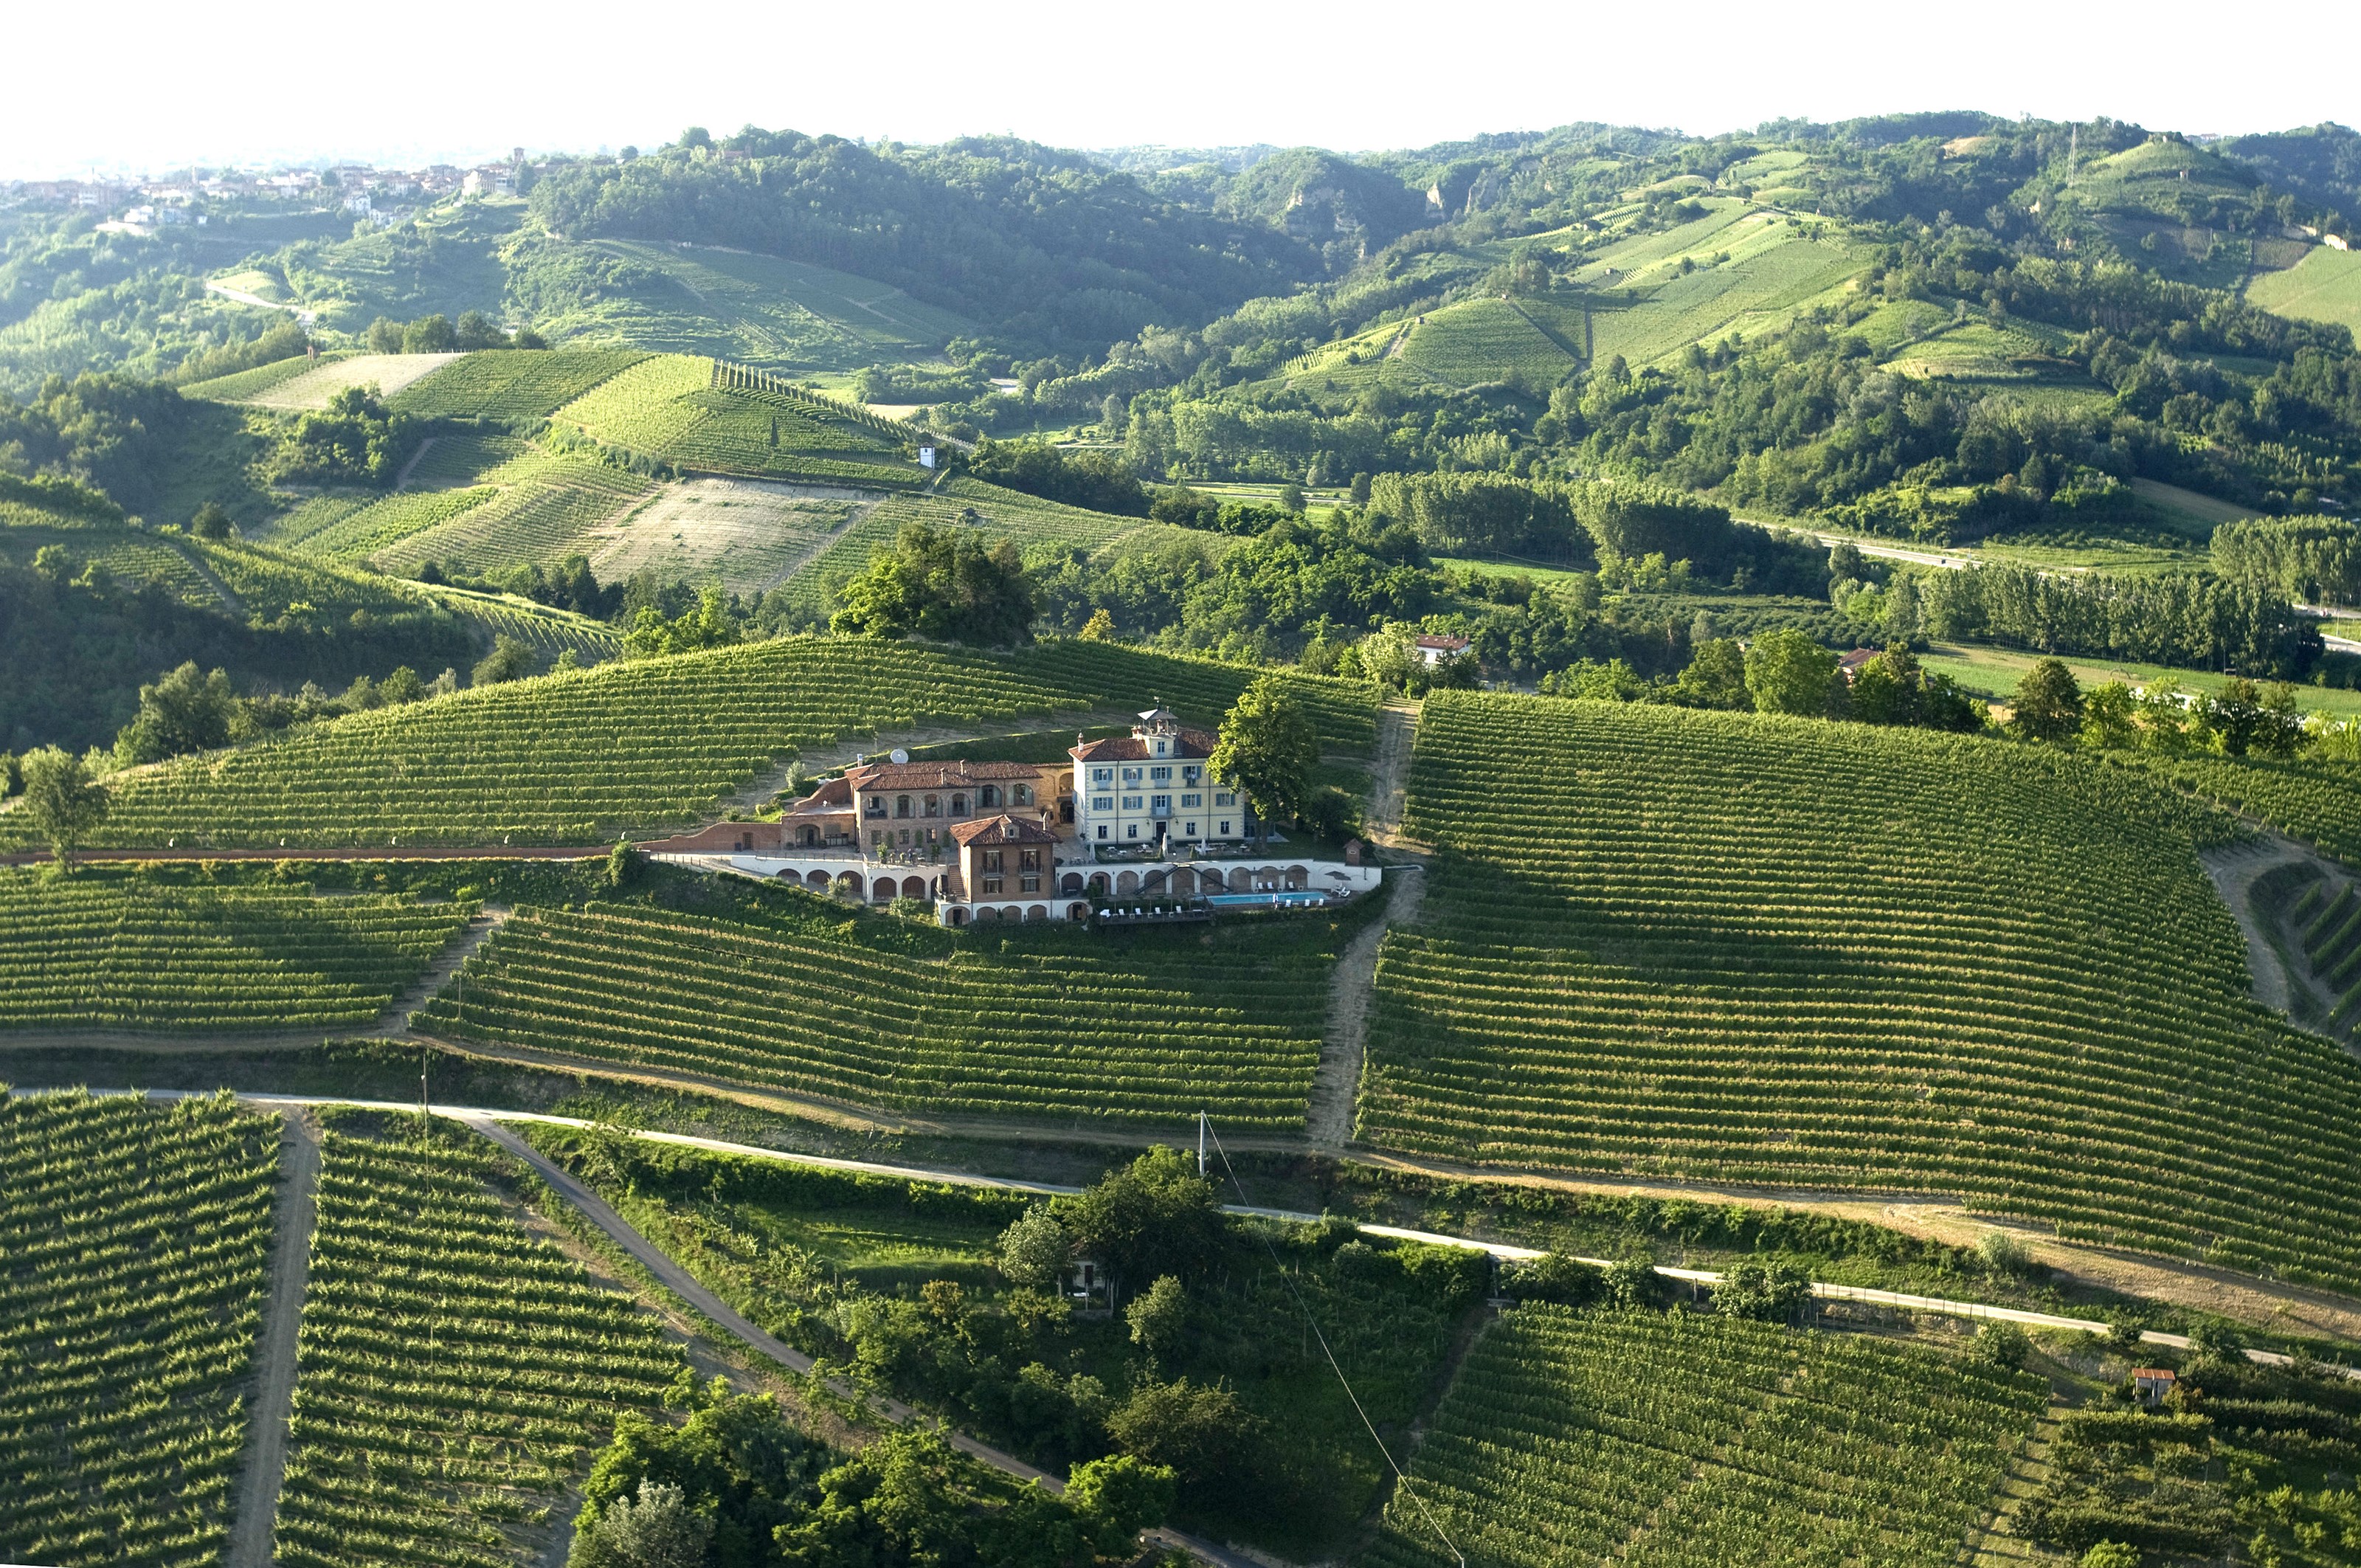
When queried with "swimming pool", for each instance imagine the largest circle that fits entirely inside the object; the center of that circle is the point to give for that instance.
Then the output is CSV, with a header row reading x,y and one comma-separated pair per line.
x,y
1265,900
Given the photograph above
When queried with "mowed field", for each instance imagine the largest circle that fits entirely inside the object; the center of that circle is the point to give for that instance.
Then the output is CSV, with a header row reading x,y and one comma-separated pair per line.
x,y
388,373
747,535
1749,949
2325,285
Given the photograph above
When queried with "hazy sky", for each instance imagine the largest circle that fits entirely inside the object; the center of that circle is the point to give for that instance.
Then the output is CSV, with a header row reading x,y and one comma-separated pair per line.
x,y
142,85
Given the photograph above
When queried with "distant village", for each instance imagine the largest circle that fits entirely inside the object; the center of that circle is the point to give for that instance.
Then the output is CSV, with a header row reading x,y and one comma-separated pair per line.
x,y
193,196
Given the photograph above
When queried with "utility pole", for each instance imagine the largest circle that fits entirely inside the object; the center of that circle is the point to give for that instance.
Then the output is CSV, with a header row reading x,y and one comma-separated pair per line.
x,y
1201,1143
2074,149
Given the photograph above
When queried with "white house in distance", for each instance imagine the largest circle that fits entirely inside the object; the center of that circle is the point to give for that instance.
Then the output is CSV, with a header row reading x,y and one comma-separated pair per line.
x,y
1433,648
1154,783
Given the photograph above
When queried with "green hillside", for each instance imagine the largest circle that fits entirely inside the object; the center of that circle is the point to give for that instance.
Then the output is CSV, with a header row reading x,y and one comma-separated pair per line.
x,y
123,952
112,607
1671,1439
458,1371
1034,523
2325,285
1760,950
515,385
810,1000
729,305
575,758
678,410
134,1241
535,506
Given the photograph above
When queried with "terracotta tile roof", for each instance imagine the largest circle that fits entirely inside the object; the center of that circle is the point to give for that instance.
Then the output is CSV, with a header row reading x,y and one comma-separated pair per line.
x,y
833,795
1002,829
1196,743
1856,659
1445,641
939,775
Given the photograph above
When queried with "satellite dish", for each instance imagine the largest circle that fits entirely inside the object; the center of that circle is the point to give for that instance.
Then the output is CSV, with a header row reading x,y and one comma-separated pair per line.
x,y
899,755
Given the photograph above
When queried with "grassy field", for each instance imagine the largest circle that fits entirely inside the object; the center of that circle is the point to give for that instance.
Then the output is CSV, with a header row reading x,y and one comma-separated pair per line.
x,y
1791,953
133,1245
2325,285
813,999
242,385
113,950
388,373
572,758
1675,1438
517,385
1995,672
746,534
457,1374
759,310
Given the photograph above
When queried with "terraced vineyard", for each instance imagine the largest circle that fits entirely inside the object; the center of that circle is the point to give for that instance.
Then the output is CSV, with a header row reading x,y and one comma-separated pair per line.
x,y
570,759
548,632
515,385
1773,950
543,506
239,385
133,1245
129,554
1155,1029
105,950
362,530
677,409
1673,1440
270,583
2317,803
455,1375
1482,340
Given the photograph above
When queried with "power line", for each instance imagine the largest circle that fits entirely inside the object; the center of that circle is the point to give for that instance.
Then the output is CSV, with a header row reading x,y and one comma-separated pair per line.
x,y
1205,1127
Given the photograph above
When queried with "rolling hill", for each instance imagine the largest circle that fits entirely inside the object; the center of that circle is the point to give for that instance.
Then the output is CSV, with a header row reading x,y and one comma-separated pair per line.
x,y
2325,285
762,311
1674,944
574,758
